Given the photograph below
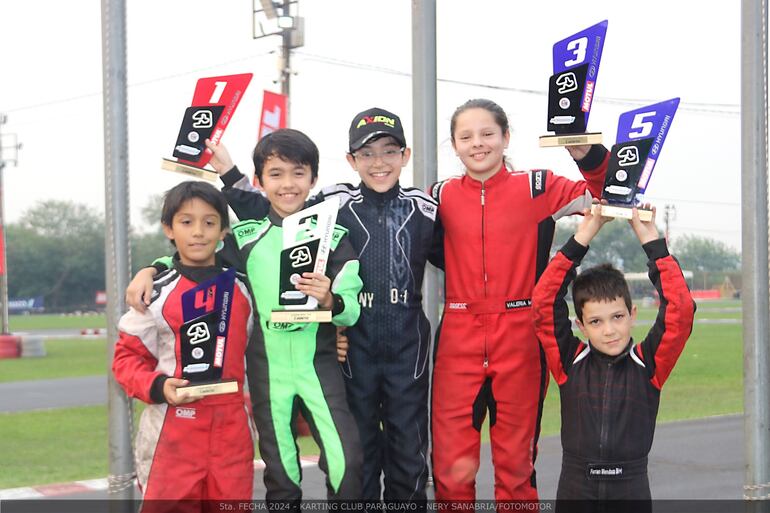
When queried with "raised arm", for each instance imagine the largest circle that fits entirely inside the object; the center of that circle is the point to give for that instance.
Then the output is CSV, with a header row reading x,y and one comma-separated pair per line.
x,y
666,339
550,311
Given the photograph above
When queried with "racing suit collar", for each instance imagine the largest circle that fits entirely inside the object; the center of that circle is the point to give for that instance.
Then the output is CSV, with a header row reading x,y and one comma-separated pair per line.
x,y
274,218
194,273
605,358
496,178
380,197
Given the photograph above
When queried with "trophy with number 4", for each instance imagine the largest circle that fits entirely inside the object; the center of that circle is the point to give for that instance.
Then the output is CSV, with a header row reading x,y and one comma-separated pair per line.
x,y
641,133
572,86
213,105
307,242
203,338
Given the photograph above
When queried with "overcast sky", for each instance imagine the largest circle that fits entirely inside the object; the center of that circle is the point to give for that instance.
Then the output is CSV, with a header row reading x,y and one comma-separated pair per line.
x,y
357,54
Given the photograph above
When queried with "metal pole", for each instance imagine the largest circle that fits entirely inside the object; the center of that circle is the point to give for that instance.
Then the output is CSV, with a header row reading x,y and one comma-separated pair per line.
x,y
754,190
3,263
121,478
286,62
424,114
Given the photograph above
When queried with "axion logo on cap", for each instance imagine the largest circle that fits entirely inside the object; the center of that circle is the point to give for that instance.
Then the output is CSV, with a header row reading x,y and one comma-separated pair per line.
x,y
376,119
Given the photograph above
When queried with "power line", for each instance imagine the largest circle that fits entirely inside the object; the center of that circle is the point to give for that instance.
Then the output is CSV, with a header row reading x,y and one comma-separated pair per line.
x,y
140,83
711,108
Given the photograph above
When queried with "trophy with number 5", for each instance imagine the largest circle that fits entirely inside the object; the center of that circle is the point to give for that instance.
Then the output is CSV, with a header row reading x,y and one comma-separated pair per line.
x,y
641,134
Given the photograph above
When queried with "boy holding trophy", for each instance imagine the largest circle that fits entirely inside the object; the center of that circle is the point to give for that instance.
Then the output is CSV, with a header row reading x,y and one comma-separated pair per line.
x,y
296,362
391,227
609,385
196,329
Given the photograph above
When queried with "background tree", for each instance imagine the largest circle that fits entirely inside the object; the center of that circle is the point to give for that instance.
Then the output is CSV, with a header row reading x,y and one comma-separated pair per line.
x,y
615,243
704,254
56,250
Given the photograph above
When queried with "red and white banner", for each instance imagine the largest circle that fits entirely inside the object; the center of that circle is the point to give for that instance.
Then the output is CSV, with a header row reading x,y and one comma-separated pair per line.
x,y
274,108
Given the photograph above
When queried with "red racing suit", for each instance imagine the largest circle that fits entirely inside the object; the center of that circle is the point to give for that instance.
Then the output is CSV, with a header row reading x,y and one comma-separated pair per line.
x,y
203,450
497,239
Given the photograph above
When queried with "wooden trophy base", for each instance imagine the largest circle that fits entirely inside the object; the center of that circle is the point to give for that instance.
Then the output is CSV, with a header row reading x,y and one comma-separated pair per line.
x,y
621,212
550,141
208,388
301,316
178,167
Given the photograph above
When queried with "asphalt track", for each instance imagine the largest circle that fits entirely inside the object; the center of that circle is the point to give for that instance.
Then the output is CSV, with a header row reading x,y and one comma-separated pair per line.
x,y
695,459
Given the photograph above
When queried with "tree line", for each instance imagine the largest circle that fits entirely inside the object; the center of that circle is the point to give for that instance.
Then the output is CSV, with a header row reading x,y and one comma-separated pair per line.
x,y
56,250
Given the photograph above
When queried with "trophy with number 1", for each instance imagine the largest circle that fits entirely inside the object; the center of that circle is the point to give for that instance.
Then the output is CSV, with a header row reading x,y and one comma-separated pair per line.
x,y
213,105
572,86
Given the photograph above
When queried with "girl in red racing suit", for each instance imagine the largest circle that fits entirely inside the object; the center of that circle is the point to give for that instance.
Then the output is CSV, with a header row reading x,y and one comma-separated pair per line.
x,y
498,228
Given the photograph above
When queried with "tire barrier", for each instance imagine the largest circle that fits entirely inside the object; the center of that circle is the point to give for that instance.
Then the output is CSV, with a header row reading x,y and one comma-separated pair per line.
x,y
32,346
10,346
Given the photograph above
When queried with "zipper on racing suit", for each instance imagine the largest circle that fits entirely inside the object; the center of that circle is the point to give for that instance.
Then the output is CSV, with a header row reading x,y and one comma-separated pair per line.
x,y
604,433
484,270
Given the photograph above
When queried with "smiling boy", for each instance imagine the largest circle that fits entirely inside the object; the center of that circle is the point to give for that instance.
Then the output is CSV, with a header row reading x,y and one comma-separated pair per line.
x,y
609,385
392,228
296,363
188,448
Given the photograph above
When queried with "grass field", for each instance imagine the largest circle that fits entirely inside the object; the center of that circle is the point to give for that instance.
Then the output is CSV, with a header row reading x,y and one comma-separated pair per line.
x,y
63,445
53,321
55,446
64,359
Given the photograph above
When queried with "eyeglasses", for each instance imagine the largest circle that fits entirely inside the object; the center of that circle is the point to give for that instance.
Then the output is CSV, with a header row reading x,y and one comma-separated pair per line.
x,y
369,157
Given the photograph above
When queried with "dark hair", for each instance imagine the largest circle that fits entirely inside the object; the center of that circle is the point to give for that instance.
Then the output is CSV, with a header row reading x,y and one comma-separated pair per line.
x,y
289,145
600,283
480,103
185,191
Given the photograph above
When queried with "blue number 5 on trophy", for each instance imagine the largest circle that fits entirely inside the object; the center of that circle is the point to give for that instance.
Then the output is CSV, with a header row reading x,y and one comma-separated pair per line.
x,y
641,134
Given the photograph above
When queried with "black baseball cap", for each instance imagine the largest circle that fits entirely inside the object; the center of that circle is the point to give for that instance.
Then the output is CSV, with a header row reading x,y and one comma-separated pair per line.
x,y
372,123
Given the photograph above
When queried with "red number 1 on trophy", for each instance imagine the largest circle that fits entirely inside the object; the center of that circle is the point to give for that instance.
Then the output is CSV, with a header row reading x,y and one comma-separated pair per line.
x,y
213,105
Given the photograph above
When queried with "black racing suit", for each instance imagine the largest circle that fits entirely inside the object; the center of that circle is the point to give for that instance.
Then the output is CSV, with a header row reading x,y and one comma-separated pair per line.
x,y
609,404
386,372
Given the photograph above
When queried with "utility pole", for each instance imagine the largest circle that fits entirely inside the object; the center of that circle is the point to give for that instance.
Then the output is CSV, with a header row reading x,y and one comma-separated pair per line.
x,y
272,18
3,261
754,240
116,247
669,214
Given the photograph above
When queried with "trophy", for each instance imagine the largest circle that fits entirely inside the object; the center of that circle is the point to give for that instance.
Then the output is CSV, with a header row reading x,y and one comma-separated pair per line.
x,y
572,86
203,337
307,239
213,105
641,133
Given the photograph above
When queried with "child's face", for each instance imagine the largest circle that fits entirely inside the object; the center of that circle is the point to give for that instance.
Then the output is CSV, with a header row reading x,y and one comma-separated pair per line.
x,y
479,142
287,184
379,163
196,229
607,324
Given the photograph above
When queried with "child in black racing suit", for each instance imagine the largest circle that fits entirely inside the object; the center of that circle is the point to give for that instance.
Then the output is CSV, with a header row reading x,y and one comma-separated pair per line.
x,y
609,385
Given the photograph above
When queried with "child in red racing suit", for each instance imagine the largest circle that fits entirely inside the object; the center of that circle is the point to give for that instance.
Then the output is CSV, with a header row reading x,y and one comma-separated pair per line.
x,y
191,453
498,228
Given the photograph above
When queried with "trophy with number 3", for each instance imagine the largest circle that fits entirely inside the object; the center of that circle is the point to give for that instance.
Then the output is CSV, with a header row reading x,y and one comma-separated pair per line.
x,y
213,105
641,134
572,86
